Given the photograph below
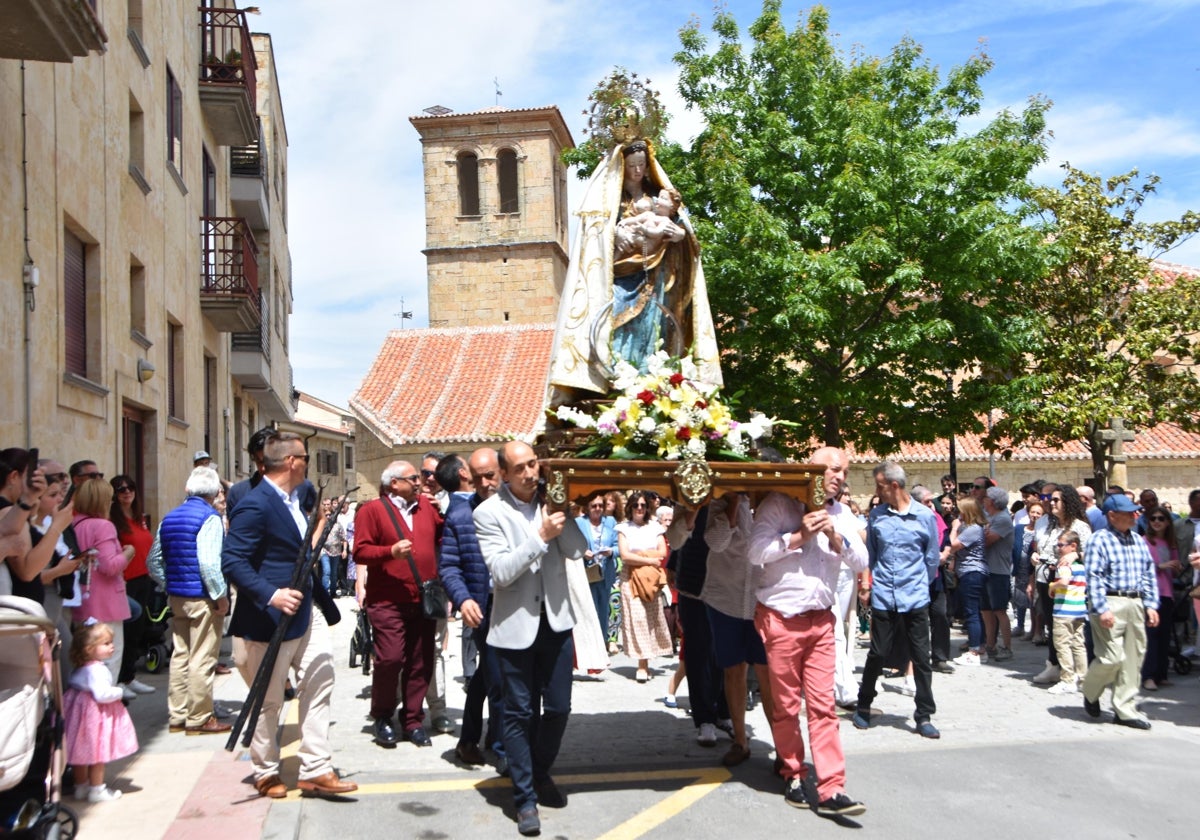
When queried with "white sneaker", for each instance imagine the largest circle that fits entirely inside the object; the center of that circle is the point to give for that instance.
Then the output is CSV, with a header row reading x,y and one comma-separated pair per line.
x,y
969,659
127,693
1063,688
707,736
103,793
983,656
908,688
81,792
139,687
1049,675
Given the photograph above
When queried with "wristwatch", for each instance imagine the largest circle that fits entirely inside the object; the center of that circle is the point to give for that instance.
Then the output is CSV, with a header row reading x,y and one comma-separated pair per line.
x,y
24,505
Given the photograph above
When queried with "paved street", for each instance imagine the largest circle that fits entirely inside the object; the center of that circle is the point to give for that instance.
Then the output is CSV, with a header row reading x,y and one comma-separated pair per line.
x,y
1011,757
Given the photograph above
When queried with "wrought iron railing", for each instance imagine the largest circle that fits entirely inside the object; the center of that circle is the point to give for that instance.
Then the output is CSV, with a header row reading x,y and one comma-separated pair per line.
x,y
227,50
228,257
260,341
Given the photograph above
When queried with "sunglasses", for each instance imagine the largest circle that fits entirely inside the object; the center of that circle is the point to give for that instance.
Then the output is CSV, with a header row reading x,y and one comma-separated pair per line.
x,y
426,473
91,475
979,487
1158,519
124,488
304,457
639,506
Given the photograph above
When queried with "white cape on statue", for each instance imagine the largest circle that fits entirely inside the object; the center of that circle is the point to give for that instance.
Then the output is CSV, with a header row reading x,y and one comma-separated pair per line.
x,y
581,348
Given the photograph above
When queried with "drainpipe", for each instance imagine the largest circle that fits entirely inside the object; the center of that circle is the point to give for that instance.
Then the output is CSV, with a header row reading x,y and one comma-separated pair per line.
x,y
29,275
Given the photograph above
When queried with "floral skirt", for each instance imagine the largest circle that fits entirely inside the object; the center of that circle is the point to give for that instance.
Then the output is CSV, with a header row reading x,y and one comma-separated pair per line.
x,y
644,631
96,733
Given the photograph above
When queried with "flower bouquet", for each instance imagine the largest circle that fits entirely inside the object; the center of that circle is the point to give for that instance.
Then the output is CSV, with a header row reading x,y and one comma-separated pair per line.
x,y
666,413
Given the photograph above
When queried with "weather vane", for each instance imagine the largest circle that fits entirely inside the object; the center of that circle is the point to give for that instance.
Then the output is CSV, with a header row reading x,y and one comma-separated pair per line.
x,y
403,314
499,93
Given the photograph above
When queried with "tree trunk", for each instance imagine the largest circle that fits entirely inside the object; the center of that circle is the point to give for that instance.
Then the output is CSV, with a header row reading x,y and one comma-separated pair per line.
x,y
833,426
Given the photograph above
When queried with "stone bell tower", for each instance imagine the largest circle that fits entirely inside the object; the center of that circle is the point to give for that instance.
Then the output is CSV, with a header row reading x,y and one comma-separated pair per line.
x,y
495,214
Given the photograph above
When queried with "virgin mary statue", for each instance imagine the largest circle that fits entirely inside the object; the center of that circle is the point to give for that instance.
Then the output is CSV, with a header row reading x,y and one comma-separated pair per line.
x,y
634,281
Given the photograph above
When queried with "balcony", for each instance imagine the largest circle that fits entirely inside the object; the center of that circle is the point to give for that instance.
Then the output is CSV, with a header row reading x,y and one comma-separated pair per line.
x,y
248,183
250,363
50,30
229,274
228,84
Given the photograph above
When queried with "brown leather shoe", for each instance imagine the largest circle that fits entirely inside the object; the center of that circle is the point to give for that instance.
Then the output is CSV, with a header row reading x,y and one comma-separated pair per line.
x,y
212,726
327,784
271,786
175,727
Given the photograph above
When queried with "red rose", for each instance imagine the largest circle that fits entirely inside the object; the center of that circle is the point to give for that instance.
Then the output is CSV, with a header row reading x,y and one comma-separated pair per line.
x,y
684,433
676,379
701,404
647,397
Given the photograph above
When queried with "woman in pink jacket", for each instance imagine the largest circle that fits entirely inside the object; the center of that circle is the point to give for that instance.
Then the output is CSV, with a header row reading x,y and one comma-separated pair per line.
x,y
104,596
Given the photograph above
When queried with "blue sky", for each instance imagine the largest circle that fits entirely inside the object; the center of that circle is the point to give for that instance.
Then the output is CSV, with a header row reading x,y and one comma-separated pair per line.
x,y
1122,76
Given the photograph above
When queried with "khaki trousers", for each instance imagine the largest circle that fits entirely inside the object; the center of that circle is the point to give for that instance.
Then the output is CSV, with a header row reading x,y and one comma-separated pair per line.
x,y
1119,651
311,657
196,634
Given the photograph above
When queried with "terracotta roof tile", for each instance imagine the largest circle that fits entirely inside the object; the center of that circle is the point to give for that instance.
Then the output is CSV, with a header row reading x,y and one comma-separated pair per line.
x,y
461,384
1165,441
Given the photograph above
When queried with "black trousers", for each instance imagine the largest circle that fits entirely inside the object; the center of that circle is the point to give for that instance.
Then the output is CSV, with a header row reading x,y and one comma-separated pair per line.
x,y
706,683
886,627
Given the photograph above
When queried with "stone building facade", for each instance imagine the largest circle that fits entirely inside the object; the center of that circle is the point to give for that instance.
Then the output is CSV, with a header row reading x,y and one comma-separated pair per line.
x,y
495,215
143,238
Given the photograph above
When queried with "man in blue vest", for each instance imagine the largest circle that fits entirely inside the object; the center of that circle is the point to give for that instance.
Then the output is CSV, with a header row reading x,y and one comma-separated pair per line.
x,y
186,559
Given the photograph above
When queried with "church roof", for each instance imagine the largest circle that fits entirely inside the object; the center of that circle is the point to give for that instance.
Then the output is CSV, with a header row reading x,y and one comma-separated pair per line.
x,y
456,385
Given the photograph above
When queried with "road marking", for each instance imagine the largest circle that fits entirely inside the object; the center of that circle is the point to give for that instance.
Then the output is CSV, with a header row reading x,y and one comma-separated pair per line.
x,y
707,780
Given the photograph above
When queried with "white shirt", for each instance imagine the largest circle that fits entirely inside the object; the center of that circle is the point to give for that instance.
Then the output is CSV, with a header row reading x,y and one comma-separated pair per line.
x,y
804,579
292,501
730,582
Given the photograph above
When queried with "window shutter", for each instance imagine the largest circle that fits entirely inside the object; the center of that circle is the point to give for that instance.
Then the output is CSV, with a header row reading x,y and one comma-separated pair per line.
x,y
75,304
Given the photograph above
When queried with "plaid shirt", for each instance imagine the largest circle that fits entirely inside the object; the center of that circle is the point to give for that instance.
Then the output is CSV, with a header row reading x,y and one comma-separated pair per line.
x,y
1118,561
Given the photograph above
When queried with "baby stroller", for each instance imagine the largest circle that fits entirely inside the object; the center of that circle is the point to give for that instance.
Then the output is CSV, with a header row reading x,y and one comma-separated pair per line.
x,y
158,641
31,725
361,645
1181,620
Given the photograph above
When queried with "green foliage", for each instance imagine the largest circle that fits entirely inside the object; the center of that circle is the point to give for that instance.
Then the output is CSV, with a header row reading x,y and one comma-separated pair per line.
x,y
1118,336
623,108
854,232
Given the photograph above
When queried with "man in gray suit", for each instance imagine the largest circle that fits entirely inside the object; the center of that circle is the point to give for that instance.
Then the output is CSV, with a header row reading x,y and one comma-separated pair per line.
x,y
525,546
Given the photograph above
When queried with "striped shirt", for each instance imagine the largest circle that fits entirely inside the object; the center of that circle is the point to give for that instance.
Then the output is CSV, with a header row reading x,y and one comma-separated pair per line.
x,y
1070,590
1117,561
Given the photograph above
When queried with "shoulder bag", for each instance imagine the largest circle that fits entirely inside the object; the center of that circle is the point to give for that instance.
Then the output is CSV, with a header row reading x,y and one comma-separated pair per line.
x,y
434,600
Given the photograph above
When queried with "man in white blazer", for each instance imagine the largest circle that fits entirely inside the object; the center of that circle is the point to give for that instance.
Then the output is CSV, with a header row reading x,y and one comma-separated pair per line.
x,y
525,547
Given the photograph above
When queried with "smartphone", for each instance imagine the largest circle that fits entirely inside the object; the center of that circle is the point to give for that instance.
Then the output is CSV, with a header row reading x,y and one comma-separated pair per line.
x,y
31,466
67,497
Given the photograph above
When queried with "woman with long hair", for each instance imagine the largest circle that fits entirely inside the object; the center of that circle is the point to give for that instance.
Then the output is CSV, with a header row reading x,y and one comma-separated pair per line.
x,y
1160,539
1067,513
126,514
102,578
970,565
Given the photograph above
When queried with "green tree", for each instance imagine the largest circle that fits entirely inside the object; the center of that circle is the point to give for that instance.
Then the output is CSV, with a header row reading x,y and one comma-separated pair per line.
x,y
1119,336
853,231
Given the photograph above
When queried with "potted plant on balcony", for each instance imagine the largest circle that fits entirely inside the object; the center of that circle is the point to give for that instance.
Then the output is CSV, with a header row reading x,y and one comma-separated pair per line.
x,y
224,70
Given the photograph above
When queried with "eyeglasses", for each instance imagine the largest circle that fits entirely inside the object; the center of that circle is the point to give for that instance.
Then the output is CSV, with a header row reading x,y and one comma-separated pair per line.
x,y
55,478
415,479
1056,499
426,473
124,488
1158,519
304,456
639,506
1065,544
979,487
598,506
92,475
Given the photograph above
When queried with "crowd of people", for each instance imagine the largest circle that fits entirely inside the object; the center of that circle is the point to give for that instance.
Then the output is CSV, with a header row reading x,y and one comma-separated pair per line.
x,y
746,599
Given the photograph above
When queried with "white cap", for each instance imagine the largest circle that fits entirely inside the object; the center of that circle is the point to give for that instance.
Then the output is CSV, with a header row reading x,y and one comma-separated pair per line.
x,y
200,456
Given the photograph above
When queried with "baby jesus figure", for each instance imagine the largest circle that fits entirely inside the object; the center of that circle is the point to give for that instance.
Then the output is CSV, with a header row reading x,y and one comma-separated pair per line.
x,y
644,231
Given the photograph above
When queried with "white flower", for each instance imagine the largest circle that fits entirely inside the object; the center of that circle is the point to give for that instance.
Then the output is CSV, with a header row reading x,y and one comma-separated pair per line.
x,y
657,364
624,375
606,423
568,414
696,446
647,425
675,395
758,426
688,368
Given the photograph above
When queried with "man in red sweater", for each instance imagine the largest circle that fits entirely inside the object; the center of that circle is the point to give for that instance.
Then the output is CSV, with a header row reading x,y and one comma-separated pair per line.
x,y
392,534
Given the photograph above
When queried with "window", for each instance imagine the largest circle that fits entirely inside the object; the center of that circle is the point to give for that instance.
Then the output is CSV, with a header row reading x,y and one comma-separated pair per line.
x,y
174,123
174,371
75,295
468,184
137,144
134,30
349,456
137,300
327,461
506,165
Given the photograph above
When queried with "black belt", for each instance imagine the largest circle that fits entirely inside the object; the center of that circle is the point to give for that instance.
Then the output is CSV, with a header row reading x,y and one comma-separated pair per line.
x,y
1124,593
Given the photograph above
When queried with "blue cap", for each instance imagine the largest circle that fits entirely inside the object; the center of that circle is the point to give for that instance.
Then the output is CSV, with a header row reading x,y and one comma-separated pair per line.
x,y
1119,502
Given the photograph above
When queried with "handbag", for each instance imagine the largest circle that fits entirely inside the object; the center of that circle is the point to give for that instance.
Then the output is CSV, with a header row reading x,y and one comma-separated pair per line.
x,y
595,574
434,600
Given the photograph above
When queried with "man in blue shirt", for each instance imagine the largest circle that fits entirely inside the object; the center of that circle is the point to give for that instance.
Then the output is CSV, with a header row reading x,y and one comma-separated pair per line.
x,y
1122,594
902,544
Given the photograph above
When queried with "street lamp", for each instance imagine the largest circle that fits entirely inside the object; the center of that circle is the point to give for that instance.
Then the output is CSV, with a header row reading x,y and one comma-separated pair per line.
x,y
949,374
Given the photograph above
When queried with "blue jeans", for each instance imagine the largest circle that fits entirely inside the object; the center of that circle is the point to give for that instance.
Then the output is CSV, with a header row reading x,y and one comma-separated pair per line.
x,y
532,735
970,590
327,567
